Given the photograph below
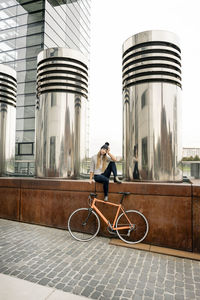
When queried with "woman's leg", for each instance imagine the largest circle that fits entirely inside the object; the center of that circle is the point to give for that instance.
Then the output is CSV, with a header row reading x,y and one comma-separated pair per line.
x,y
103,179
111,168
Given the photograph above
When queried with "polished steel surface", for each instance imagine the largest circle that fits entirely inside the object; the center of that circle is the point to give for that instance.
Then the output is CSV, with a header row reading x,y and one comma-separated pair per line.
x,y
151,35
62,88
151,56
152,106
8,88
63,52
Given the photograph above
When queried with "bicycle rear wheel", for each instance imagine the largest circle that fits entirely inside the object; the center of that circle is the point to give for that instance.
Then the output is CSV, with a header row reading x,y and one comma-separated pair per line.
x,y
137,230
83,224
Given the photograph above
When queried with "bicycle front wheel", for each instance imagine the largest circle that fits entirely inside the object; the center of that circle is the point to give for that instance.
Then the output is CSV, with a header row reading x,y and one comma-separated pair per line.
x,y
83,224
138,228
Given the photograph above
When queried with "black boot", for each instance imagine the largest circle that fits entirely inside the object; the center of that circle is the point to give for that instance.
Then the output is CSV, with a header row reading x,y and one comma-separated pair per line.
x,y
116,179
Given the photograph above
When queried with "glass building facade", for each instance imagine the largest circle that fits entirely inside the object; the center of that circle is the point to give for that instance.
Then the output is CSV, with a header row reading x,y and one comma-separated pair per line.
x,y
28,27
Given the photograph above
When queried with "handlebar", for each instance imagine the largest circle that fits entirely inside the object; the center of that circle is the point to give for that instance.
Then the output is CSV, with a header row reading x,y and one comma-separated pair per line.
x,y
93,194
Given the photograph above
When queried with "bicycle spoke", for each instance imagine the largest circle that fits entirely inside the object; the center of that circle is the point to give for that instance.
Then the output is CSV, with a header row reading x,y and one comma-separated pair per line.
x,y
83,224
137,230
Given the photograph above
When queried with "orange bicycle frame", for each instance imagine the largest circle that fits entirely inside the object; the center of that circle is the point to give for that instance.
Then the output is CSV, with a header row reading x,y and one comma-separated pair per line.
x,y
93,206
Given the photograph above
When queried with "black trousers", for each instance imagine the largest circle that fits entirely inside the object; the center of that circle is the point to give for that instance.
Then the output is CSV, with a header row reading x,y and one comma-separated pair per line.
x,y
104,177
136,174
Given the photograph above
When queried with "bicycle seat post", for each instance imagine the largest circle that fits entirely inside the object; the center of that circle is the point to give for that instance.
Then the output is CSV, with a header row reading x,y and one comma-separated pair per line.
x,y
122,198
123,195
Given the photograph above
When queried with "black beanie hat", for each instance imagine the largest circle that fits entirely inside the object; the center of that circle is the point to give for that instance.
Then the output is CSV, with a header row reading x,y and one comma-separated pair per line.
x,y
105,146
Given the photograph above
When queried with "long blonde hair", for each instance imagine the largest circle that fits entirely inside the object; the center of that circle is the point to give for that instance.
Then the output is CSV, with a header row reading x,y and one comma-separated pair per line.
x,y
104,159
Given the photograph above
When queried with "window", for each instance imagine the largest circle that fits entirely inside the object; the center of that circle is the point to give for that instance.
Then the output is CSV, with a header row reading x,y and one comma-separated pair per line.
x,y
25,148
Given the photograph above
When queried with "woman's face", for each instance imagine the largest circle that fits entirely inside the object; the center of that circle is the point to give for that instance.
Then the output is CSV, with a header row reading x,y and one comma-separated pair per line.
x,y
103,151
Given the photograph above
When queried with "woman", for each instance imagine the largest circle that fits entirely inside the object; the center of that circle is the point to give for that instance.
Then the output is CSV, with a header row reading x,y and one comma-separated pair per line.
x,y
99,170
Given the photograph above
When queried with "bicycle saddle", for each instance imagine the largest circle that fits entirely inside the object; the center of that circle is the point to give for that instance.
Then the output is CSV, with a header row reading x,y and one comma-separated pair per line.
x,y
124,193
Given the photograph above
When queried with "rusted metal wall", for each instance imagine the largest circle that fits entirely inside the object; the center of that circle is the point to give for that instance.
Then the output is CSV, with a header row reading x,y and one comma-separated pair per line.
x,y
172,212
196,217
10,198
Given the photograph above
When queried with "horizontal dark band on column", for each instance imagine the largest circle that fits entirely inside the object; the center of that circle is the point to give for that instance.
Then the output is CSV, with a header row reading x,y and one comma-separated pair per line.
x,y
63,59
52,87
152,58
153,80
61,78
65,91
8,102
63,71
57,76
151,51
10,81
61,62
150,73
60,86
62,66
8,86
8,94
152,43
8,76
152,66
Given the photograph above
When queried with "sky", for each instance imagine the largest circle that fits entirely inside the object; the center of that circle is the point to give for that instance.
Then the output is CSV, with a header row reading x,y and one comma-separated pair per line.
x,y
112,22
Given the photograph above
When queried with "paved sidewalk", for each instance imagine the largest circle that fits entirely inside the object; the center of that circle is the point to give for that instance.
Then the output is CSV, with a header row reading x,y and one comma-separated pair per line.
x,y
97,270
19,289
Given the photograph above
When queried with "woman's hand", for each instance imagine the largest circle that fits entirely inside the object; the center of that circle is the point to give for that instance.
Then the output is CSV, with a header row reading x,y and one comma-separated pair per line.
x,y
111,156
90,181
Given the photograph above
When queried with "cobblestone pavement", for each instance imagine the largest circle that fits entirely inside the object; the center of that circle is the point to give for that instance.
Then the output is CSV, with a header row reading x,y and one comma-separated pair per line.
x,y
97,270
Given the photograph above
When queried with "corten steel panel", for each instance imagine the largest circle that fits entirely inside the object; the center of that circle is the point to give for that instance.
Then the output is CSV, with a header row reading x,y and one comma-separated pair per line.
x,y
9,203
167,207
196,219
196,190
169,218
9,182
51,208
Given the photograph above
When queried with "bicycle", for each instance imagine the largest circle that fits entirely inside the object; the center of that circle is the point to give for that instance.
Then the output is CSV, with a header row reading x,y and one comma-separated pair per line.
x,y
131,226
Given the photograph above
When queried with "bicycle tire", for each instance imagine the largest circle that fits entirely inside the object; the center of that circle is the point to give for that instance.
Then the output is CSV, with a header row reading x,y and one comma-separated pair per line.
x,y
140,227
77,227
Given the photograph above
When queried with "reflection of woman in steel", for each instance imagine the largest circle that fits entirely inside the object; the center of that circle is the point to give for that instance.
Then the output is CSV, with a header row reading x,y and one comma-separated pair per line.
x,y
99,170
136,174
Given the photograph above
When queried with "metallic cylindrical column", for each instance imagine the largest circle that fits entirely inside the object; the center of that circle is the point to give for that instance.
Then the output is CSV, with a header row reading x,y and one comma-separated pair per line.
x,y
62,89
152,106
8,89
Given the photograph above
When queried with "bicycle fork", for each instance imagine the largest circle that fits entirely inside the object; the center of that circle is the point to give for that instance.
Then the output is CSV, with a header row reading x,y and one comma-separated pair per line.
x,y
89,214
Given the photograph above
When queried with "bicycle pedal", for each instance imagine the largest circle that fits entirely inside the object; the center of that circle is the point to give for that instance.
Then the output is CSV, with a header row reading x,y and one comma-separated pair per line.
x,y
111,231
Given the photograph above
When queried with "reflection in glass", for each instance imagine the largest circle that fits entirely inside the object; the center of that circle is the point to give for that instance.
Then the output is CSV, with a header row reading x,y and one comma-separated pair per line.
x,y
27,27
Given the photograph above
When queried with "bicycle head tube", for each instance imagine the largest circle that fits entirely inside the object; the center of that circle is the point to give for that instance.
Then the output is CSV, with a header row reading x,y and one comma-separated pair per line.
x,y
91,198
